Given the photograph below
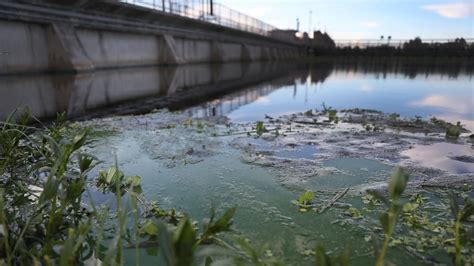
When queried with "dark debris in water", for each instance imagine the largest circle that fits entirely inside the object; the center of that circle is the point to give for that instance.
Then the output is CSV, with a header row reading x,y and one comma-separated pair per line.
x,y
463,158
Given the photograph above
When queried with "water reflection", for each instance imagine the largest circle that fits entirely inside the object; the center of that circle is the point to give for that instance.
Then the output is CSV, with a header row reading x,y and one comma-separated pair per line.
x,y
441,156
248,91
402,88
127,91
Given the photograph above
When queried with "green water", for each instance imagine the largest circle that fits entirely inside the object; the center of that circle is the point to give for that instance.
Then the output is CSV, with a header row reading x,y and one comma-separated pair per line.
x,y
264,210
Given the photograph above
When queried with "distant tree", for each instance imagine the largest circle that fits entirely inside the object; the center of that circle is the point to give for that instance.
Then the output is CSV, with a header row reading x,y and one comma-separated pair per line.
x,y
381,39
389,38
461,42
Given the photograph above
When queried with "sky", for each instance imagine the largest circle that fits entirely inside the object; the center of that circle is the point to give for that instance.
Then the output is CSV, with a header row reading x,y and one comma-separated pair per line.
x,y
367,19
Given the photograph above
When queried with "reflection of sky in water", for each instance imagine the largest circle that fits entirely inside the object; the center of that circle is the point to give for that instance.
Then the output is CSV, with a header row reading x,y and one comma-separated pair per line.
x,y
434,95
438,156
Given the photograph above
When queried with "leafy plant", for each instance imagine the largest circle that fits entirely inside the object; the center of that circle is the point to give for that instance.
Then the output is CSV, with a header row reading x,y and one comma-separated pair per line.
x,y
394,117
177,247
388,219
332,116
260,128
304,202
42,218
211,228
354,213
461,215
454,131
115,181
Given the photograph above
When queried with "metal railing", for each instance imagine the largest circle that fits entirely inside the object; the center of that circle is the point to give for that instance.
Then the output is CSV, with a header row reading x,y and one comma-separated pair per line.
x,y
364,43
213,13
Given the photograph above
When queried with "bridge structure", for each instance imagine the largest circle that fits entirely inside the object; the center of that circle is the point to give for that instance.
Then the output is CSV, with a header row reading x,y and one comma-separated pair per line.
x,y
86,35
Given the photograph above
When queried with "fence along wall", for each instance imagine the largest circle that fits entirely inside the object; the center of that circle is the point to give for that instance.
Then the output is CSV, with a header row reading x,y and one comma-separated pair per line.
x,y
46,45
205,11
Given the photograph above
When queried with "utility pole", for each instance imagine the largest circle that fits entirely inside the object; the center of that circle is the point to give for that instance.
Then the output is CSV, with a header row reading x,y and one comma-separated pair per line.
x,y
310,21
212,7
297,25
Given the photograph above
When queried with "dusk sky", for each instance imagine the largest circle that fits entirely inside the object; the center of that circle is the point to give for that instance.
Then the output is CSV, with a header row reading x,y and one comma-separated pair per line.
x,y
367,19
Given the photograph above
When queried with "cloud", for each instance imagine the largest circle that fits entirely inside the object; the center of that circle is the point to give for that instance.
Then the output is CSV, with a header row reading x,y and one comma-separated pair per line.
x,y
369,24
453,10
258,12
445,102
366,88
263,100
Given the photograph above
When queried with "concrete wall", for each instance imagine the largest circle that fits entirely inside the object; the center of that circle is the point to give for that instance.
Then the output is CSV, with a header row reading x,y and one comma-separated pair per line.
x,y
195,51
116,49
41,42
23,47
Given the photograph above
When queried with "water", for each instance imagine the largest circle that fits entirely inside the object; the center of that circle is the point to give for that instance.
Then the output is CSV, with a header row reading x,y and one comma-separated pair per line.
x,y
246,93
410,93
264,212
443,156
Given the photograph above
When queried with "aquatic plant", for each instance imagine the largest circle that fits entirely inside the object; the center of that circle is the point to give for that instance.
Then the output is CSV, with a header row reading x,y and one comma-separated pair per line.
x,y
461,214
332,116
394,117
260,128
418,119
309,112
305,201
388,219
453,131
115,181
331,113
354,213
438,122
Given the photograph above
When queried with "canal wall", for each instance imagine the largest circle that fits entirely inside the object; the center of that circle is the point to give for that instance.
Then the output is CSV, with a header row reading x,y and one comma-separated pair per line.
x,y
41,37
91,94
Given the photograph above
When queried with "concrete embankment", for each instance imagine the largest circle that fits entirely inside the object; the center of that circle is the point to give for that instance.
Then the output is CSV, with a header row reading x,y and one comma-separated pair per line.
x,y
42,37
